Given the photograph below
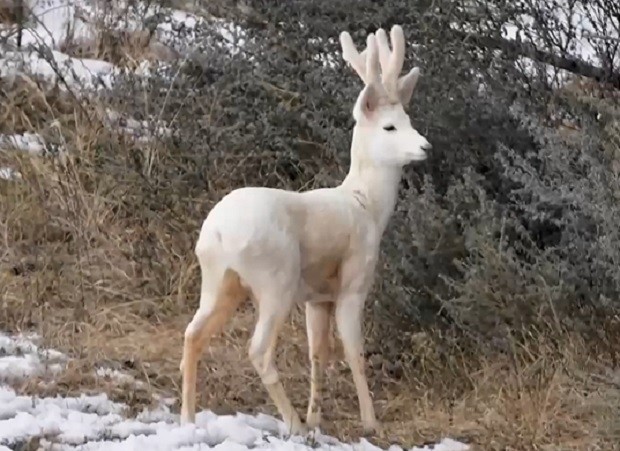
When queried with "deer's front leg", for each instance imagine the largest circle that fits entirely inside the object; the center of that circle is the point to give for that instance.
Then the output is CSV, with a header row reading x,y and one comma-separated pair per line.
x,y
318,328
356,281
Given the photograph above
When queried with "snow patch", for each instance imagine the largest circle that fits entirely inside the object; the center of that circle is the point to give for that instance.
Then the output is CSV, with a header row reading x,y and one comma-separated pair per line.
x,y
96,423
27,142
21,358
57,67
119,377
7,173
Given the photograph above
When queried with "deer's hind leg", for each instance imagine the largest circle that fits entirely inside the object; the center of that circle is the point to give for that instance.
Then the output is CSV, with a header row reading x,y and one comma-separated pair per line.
x,y
216,307
275,294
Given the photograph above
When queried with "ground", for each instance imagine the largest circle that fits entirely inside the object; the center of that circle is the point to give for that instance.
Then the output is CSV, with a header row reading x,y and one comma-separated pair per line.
x,y
97,422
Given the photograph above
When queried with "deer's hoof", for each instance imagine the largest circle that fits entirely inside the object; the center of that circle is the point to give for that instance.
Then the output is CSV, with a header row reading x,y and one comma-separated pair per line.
x,y
373,427
297,428
313,419
187,417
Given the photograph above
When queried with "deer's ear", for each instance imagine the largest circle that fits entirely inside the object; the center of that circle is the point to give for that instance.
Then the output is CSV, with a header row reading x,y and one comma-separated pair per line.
x,y
367,102
406,85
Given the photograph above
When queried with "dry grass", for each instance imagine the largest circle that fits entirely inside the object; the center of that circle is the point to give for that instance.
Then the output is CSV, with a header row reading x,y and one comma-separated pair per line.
x,y
104,276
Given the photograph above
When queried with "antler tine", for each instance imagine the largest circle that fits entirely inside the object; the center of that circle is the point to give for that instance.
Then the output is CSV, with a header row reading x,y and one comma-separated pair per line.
x,y
397,58
384,49
391,61
372,59
352,56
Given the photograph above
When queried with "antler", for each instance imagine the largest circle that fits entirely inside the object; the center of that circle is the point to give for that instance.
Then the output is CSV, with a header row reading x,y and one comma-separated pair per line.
x,y
396,87
366,63
391,62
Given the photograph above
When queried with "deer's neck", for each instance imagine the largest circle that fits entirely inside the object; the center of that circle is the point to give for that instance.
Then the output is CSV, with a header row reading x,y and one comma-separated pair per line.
x,y
375,187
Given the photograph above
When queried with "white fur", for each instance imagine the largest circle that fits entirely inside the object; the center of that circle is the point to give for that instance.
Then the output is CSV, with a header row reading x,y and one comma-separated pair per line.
x,y
318,247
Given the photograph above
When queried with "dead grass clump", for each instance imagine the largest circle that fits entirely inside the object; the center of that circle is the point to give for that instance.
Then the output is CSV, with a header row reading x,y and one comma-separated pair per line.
x,y
9,13
28,104
120,47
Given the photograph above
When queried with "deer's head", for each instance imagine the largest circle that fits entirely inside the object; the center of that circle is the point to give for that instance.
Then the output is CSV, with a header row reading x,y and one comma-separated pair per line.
x,y
380,118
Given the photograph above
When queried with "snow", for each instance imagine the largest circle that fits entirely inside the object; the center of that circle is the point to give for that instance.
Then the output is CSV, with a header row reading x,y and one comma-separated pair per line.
x,y
58,67
119,377
21,358
31,143
54,20
7,173
94,422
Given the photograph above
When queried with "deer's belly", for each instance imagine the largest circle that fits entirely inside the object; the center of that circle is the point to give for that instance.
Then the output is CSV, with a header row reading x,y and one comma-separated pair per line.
x,y
319,282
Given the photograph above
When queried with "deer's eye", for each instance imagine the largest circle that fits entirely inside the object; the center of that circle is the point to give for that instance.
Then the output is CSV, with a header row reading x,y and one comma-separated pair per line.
x,y
389,128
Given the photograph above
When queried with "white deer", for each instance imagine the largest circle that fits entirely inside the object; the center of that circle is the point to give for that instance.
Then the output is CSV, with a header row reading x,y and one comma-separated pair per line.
x,y
317,247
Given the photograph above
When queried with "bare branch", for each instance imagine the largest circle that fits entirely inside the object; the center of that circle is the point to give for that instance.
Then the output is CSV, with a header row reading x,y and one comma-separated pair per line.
x,y
567,63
